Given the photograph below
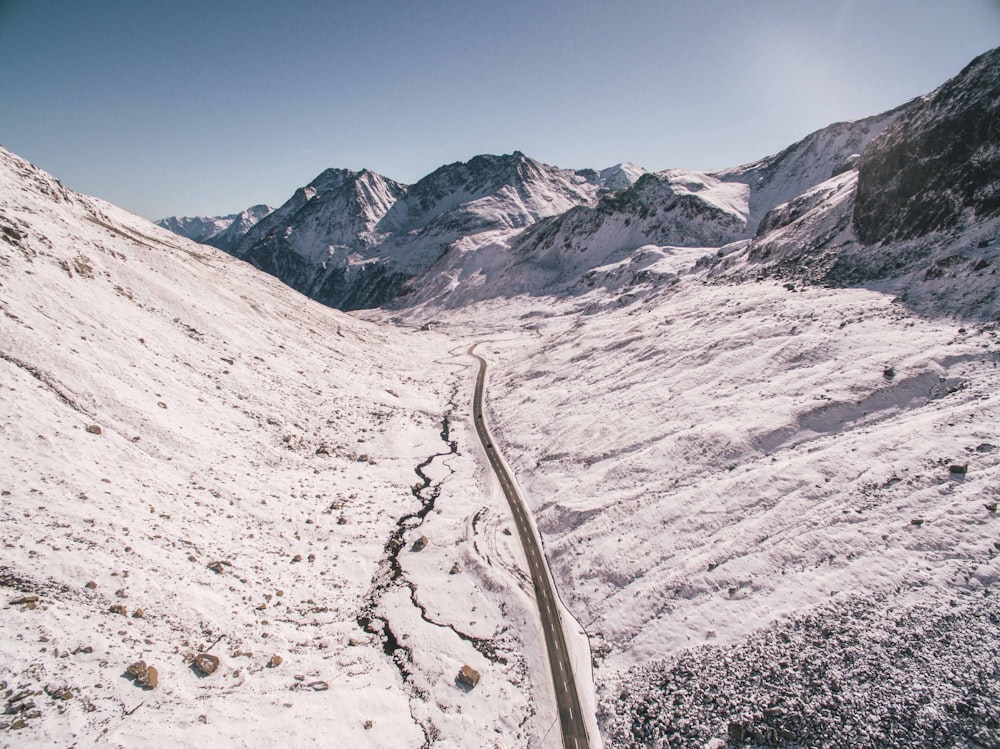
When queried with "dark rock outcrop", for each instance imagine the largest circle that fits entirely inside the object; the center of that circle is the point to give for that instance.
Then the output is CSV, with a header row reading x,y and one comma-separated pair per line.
x,y
939,159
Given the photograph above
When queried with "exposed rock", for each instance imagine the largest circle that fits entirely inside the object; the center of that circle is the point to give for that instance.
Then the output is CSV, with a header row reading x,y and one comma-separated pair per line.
x,y
739,731
91,585
420,544
937,161
94,429
206,664
274,662
959,468
23,601
467,677
318,686
455,569
297,558
138,614
118,609
136,670
149,679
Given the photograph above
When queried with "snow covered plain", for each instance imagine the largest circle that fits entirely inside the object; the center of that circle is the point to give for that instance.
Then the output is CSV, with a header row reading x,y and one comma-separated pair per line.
x,y
199,460
773,508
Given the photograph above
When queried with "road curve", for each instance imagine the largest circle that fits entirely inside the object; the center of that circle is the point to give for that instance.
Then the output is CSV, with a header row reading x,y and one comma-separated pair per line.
x,y
574,727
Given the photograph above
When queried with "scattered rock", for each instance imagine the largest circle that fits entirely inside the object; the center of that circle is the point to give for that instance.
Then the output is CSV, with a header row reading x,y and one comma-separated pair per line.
x,y
455,569
219,567
206,664
136,670
341,520
274,662
297,558
94,429
991,506
888,373
318,686
420,544
311,558
917,521
369,724
24,601
467,677
161,404
118,609
959,468
92,585
121,593
986,447
138,614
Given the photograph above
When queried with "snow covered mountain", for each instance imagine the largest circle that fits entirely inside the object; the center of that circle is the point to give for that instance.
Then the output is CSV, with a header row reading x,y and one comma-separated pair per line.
x,y
197,228
353,239
918,214
219,231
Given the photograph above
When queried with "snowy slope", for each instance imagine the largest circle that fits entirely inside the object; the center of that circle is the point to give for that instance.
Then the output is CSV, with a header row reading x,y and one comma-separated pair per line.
x,y
199,459
723,473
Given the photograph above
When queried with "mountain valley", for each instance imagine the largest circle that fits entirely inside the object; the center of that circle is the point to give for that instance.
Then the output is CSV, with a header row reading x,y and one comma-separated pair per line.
x,y
752,412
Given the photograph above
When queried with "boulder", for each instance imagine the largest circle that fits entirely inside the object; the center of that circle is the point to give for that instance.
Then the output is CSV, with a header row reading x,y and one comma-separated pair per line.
x,y
467,677
206,664
149,679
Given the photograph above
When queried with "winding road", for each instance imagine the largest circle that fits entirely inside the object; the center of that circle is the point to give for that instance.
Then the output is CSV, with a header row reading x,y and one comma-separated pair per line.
x,y
574,727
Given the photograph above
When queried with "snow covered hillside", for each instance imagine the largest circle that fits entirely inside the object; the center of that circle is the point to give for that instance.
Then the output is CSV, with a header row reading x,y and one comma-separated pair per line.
x,y
209,473
772,508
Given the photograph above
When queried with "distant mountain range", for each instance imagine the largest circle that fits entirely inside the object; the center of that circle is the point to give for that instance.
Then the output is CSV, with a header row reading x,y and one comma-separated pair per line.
x,y
501,225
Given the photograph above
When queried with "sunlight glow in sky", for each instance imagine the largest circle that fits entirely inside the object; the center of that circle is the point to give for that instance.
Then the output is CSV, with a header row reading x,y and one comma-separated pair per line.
x,y
188,108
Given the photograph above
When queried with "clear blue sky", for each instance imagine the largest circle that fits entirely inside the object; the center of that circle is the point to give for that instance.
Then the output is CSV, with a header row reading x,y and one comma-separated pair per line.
x,y
180,107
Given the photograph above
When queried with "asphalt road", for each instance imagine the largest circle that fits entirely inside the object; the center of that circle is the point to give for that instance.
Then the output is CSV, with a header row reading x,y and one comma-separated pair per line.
x,y
574,728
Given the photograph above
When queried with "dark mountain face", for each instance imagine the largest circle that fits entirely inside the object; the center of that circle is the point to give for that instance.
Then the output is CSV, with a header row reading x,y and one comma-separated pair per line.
x,y
938,160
